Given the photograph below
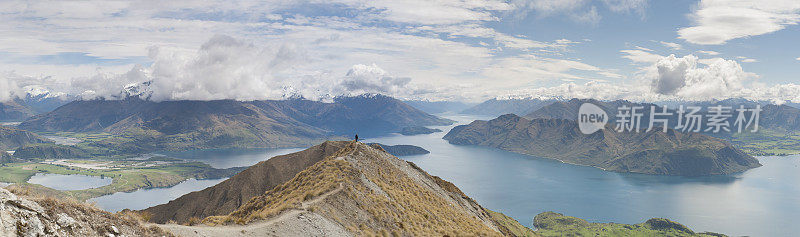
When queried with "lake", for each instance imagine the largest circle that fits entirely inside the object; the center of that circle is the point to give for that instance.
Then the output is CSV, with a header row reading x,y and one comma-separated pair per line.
x,y
69,182
144,198
761,202
227,158
217,158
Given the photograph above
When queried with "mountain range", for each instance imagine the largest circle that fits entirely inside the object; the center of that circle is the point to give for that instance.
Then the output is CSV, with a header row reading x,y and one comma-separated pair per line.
x,y
436,107
12,138
782,118
497,107
174,125
653,152
19,109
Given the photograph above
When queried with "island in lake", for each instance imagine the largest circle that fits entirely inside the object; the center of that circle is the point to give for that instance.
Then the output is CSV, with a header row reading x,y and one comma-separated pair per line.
x,y
416,130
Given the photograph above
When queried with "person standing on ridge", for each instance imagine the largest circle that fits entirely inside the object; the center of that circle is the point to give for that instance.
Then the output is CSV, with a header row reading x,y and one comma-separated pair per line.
x,y
356,136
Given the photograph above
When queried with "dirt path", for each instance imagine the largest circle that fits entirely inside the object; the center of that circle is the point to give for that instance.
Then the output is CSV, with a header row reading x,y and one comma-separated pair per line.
x,y
291,223
295,222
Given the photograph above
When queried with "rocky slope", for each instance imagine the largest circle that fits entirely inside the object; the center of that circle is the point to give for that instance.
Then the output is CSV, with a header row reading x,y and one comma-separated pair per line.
x,y
25,216
358,190
654,152
12,138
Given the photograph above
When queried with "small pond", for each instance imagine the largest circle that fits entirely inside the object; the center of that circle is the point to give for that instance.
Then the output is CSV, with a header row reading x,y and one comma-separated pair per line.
x,y
69,182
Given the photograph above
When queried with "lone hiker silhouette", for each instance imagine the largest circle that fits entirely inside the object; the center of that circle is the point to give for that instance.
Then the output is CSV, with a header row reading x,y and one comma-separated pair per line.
x,y
356,136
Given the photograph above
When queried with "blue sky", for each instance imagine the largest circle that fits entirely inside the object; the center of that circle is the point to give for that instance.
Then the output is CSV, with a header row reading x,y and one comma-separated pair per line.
x,y
416,49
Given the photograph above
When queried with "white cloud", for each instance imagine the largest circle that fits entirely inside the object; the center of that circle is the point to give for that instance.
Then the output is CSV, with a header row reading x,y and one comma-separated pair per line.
x,y
673,46
589,16
675,78
683,78
798,58
624,6
434,12
708,52
362,79
641,55
746,59
718,21
581,11
749,60
592,89
527,70
578,10
421,40
229,68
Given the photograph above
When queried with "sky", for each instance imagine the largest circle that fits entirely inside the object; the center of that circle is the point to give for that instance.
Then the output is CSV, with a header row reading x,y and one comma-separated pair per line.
x,y
461,50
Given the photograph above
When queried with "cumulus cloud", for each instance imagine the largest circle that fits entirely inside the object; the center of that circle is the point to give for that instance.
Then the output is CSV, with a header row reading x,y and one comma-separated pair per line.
x,y
362,79
8,89
718,21
684,77
13,85
229,68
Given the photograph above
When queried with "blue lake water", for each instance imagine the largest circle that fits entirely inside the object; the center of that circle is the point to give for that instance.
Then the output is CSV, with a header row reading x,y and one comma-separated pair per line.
x,y
761,202
144,198
217,158
227,158
69,182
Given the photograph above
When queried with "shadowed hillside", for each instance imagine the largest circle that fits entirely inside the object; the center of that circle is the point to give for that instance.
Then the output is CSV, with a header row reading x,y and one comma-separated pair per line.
x,y
11,138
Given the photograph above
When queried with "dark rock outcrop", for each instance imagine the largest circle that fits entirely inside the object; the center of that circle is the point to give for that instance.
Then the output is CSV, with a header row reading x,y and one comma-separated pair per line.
x,y
24,216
